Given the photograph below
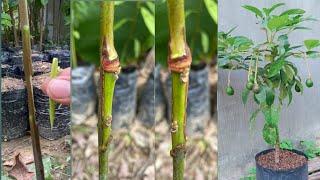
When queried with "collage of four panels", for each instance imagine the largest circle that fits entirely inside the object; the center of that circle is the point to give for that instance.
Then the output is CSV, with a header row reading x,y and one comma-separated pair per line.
x,y
160,89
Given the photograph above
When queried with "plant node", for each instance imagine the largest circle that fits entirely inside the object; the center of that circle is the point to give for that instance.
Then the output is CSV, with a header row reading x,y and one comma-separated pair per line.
x,y
178,150
174,127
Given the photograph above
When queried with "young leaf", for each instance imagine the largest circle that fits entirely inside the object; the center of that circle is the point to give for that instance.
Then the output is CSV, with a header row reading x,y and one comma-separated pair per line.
x,y
269,96
268,11
275,68
253,9
293,12
270,134
311,43
148,19
52,105
205,41
278,22
137,48
212,8
286,144
244,95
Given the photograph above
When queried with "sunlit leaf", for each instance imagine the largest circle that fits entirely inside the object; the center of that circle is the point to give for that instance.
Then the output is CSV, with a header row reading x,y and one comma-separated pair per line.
x,y
148,18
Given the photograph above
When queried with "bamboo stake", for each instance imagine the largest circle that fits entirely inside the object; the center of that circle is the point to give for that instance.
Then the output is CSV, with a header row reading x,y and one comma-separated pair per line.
x,y
109,70
28,77
179,61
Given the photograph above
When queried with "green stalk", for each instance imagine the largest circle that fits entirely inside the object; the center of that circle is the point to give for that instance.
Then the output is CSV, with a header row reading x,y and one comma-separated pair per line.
x,y
178,49
52,104
176,27
28,77
108,81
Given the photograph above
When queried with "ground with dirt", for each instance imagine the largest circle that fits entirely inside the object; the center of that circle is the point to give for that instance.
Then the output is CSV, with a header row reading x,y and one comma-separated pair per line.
x,y
56,155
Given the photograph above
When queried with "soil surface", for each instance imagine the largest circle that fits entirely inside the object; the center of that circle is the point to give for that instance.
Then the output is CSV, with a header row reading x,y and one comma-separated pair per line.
x,y
41,67
288,160
9,84
38,80
57,154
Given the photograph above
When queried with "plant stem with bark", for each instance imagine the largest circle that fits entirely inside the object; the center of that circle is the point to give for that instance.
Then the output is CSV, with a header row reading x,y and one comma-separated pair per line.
x,y
27,63
179,61
109,56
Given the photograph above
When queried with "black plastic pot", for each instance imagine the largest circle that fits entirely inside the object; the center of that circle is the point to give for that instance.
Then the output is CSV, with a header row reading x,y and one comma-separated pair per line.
x,y
125,98
198,107
14,113
300,173
61,126
147,101
83,93
62,55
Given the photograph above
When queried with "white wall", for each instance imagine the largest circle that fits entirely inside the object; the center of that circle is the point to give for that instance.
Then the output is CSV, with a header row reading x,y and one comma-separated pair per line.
x,y
237,145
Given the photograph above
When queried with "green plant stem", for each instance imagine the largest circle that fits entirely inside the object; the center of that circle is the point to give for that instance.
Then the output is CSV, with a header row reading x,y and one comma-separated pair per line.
x,y
52,104
28,77
107,81
179,105
177,49
177,28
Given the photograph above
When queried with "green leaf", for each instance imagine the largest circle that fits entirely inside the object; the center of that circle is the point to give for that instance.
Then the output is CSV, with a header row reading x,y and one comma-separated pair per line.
x,y
270,134
299,84
293,12
148,19
137,48
290,96
286,144
269,96
268,11
289,72
253,9
275,68
278,22
271,115
244,95
205,41
44,2
151,6
261,96
120,23
212,8
311,43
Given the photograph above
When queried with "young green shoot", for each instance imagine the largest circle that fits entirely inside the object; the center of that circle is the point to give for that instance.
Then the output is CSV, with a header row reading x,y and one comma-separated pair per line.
x,y
52,104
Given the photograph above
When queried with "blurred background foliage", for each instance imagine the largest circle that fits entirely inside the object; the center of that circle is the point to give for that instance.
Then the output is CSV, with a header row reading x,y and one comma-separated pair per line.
x,y
201,30
133,30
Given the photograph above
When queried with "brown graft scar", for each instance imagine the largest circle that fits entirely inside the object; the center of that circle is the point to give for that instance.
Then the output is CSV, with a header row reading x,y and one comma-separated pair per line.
x,y
109,65
178,150
180,64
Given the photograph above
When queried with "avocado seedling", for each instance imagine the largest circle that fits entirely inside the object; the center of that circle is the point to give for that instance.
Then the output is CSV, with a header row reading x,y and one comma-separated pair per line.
x,y
272,76
54,73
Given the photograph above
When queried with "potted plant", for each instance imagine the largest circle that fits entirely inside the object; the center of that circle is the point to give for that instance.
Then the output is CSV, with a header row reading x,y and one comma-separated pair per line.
x,y
272,79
